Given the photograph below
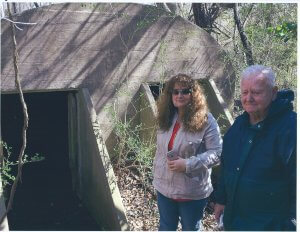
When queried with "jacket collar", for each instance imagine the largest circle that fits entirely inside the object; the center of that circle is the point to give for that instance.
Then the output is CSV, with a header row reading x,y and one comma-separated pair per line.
x,y
175,118
282,103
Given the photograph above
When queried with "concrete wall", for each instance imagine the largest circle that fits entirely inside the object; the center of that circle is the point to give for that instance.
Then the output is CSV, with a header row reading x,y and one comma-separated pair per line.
x,y
110,49
4,225
148,115
142,111
93,175
216,104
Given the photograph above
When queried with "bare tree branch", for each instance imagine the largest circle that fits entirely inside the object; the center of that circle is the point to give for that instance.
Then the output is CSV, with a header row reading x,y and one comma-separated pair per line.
x,y
14,7
26,119
220,31
15,23
190,13
244,39
205,15
163,6
247,16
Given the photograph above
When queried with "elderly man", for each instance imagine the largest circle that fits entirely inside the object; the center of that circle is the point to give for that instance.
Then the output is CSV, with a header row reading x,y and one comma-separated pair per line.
x,y
257,184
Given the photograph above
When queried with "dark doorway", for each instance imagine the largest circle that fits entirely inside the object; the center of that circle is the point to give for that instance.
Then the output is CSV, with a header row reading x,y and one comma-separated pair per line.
x,y
156,88
45,199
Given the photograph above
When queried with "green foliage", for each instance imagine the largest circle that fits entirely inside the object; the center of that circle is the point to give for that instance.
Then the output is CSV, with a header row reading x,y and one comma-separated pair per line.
x,y
272,32
284,31
133,151
6,168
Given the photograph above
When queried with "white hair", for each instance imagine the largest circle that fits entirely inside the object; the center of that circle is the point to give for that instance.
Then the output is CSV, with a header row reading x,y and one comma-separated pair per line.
x,y
255,70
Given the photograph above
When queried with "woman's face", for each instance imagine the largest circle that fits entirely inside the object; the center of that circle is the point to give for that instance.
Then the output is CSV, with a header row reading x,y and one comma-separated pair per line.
x,y
181,95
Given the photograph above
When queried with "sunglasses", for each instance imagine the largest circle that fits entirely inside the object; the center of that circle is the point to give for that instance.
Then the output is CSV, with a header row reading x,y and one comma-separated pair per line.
x,y
182,91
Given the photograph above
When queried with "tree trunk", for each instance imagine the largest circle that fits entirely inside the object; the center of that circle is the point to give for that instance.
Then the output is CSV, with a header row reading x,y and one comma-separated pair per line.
x,y
14,7
25,120
243,36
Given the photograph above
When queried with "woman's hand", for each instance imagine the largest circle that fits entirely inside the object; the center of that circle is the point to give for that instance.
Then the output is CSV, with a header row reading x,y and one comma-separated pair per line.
x,y
177,165
218,210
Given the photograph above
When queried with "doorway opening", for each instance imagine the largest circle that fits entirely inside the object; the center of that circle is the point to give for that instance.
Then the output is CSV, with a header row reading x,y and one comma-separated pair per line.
x,y
45,200
156,89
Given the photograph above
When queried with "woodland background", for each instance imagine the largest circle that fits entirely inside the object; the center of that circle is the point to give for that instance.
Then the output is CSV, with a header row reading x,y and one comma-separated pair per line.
x,y
250,33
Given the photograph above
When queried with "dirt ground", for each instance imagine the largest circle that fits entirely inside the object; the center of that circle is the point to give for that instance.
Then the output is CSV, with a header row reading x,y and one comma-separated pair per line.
x,y
141,207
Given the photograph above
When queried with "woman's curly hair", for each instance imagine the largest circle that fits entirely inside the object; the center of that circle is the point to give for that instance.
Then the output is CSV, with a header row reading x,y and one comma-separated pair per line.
x,y
195,113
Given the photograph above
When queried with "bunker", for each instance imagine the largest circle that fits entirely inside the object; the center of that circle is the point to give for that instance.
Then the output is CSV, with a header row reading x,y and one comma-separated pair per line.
x,y
81,60
46,187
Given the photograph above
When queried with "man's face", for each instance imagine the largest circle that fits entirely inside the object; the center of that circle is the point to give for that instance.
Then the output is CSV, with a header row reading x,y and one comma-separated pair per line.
x,y
256,95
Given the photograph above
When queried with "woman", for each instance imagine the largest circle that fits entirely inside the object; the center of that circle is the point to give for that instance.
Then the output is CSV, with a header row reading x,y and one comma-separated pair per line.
x,y
188,145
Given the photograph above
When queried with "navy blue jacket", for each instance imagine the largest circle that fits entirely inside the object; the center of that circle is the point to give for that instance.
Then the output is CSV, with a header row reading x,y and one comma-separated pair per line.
x,y
257,183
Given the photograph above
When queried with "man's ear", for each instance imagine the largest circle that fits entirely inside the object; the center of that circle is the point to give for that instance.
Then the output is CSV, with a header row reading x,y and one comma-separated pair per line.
x,y
274,92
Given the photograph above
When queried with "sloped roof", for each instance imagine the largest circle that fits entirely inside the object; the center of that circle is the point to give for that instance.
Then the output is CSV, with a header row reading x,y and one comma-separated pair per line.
x,y
109,48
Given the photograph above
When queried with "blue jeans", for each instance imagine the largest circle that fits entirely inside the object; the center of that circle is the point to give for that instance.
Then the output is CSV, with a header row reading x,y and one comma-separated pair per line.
x,y
190,213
